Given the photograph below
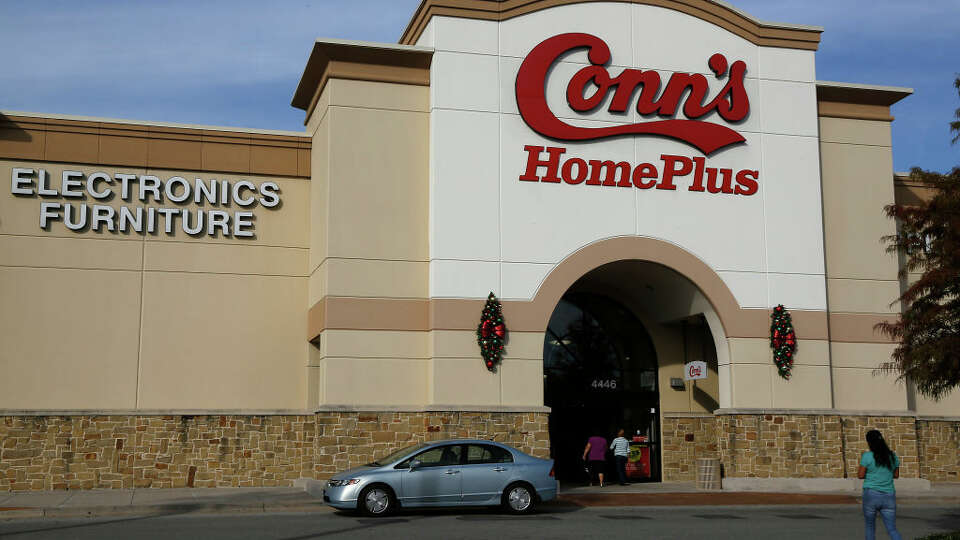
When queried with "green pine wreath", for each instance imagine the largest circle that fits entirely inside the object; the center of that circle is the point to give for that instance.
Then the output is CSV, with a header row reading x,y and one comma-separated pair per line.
x,y
492,333
783,340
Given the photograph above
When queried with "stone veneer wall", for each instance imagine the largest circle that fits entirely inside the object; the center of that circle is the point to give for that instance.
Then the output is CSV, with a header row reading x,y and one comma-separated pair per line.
x,y
771,446
124,451
807,445
686,438
900,432
939,450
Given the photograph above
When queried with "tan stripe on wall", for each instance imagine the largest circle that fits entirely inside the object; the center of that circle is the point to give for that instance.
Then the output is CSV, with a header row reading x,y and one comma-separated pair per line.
x,y
856,111
158,147
532,316
341,313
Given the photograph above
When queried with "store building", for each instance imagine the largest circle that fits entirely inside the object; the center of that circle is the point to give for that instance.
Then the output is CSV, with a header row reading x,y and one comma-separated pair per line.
x,y
205,306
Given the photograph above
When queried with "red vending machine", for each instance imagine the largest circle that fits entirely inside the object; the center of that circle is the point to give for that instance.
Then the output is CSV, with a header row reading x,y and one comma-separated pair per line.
x,y
638,463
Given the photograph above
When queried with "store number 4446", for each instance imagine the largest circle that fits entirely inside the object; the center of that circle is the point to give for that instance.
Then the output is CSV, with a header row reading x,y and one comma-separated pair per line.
x,y
604,384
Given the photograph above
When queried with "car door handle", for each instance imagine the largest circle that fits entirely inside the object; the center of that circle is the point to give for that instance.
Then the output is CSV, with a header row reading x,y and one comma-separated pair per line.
x,y
499,469
452,472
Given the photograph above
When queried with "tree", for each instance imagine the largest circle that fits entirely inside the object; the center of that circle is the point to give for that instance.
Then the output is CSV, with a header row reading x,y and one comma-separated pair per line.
x,y
928,329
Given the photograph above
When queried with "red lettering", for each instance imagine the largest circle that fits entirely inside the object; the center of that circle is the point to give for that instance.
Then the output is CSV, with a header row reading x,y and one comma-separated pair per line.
x,y
697,184
596,172
724,187
669,170
676,86
534,162
642,172
578,87
732,103
596,166
627,82
567,171
747,182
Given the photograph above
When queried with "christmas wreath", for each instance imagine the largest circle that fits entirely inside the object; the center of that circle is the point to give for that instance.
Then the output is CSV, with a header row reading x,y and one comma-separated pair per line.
x,y
783,340
491,332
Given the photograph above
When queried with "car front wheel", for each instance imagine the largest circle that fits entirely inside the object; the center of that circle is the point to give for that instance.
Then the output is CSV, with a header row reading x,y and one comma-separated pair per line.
x,y
519,499
376,501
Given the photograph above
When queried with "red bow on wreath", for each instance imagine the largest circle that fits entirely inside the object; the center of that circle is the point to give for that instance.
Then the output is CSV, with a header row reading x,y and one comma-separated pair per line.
x,y
497,328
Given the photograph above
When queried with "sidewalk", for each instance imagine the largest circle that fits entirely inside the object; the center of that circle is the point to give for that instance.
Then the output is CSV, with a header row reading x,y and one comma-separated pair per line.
x,y
686,494
129,502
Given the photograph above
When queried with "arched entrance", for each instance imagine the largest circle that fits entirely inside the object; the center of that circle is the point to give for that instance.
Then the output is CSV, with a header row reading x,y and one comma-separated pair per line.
x,y
600,375
613,351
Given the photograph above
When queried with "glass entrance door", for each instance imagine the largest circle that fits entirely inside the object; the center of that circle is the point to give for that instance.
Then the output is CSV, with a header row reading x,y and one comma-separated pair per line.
x,y
600,375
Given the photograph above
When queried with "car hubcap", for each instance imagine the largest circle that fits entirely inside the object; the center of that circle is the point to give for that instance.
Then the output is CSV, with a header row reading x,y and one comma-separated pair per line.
x,y
519,499
377,501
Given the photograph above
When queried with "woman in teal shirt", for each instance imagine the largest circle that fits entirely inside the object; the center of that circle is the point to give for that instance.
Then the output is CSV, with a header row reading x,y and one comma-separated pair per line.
x,y
878,468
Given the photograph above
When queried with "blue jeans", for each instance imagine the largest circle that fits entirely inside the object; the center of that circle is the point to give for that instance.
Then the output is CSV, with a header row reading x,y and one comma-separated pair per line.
x,y
621,468
884,503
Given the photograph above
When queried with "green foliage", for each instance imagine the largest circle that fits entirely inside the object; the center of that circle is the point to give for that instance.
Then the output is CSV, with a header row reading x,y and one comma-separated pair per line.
x,y
928,330
955,125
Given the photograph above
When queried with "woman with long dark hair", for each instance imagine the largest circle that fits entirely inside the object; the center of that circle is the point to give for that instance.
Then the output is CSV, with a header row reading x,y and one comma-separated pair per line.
x,y
878,468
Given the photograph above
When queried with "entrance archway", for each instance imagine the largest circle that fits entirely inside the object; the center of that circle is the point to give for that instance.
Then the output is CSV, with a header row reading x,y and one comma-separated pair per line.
x,y
614,348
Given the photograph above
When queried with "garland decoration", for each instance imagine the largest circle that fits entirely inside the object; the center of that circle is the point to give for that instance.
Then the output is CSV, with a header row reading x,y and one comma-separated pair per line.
x,y
783,340
492,332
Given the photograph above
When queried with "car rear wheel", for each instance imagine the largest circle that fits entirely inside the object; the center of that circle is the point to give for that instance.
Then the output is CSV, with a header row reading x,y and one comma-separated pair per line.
x,y
376,500
519,498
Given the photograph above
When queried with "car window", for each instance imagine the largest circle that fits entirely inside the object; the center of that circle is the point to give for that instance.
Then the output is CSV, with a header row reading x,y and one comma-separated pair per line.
x,y
441,456
487,453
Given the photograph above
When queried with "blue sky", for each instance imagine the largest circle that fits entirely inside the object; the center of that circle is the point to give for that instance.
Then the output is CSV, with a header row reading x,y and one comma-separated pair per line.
x,y
237,63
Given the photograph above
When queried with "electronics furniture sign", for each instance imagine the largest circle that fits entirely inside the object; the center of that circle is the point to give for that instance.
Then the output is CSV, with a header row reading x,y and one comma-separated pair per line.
x,y
144,189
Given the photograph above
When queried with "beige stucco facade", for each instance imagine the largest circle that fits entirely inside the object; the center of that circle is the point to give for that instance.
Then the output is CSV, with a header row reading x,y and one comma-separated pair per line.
x,y
190,310
330,307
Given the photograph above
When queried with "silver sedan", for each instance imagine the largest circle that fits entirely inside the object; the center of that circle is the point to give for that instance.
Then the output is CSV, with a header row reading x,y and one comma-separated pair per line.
x,y
445,473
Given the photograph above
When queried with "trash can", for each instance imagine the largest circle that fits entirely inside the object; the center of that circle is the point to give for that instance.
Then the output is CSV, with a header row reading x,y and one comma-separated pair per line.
x,y
708,473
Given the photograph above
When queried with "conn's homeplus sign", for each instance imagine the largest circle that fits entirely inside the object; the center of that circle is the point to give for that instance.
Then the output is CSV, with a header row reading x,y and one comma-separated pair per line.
x,y
592,85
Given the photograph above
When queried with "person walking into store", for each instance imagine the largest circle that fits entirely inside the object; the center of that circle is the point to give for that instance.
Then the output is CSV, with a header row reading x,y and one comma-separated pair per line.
x,y
594,455
878,468
621,449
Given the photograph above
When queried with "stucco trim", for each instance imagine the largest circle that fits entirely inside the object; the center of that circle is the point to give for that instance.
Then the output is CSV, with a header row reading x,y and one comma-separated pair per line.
x,y
865,94
155,412
858,327
910,193
719,13
815,412
156,146
532,316
856,111
355,60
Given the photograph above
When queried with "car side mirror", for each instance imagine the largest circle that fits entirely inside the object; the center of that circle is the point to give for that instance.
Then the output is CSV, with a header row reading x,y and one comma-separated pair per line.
x,y
415,464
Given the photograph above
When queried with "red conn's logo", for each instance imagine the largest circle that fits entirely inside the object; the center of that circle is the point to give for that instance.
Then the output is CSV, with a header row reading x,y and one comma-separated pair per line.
x,y
731,103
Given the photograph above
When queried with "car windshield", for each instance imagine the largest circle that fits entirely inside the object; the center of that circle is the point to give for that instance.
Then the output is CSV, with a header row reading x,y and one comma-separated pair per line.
x,y
396,455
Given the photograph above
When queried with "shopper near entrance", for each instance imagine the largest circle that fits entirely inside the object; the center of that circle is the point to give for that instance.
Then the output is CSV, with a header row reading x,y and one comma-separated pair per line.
x,y
594,454
878,468
621,449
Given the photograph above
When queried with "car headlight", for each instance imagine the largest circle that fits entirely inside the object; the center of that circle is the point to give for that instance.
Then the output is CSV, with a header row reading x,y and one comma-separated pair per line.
x,y
345,482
